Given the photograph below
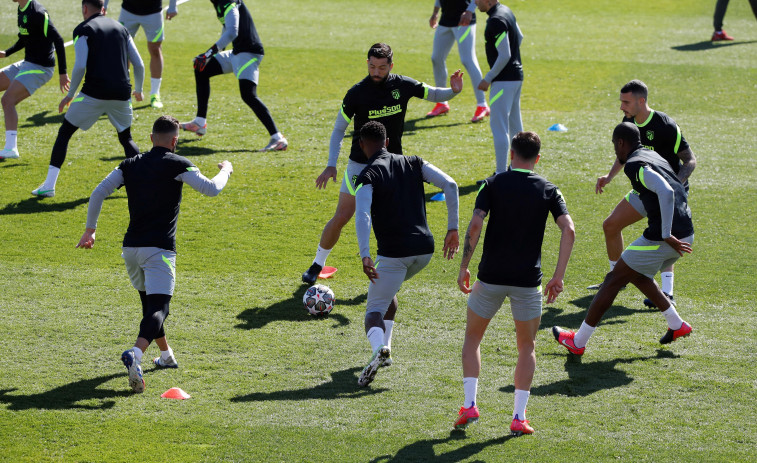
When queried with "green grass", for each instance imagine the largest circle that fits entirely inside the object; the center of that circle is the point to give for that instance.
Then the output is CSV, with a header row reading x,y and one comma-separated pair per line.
x,y
268,382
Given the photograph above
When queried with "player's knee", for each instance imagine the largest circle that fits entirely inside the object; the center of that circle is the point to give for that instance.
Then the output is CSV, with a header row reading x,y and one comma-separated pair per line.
x,y
7,101
526,346
341,217
611,226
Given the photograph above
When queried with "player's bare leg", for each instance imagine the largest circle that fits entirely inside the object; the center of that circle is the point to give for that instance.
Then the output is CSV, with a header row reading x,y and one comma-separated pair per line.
x,y
15,93
345,209
475,327
525,335
156,72
389,327
621,217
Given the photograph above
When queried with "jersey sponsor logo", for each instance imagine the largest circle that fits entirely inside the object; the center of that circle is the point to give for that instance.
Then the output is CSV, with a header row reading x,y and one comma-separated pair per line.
x,y
396,94
650,148
385,111
650,135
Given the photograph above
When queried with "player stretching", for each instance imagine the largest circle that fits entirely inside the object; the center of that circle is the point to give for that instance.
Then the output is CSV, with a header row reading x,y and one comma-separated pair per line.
x,y
669,217
519,201
503,37
380,96
457,24
148,15
103,48
19,81
661,134
153,183
244,60
390,196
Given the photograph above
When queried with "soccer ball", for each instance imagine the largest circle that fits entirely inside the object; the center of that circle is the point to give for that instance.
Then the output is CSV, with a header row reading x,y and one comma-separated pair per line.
x,y
318,300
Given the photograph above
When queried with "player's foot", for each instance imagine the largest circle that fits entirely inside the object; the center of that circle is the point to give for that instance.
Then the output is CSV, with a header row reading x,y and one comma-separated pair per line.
x,y
466,416
155,101
276,145
136,382
480,114
648,302
565,337
672,335
369,372
720,35
595,287
9,153
192,126
388,362
311,274
160,362
520,427
43,192
439,109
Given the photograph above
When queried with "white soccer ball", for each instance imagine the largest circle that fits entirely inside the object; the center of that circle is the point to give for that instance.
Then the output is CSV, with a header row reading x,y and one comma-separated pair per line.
x,y
318,300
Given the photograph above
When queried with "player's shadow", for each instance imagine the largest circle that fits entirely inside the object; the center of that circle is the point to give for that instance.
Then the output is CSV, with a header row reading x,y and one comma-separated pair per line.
x,y
43,118
292,309
587,378
413,125
68,396
343,385
552,316
188,148
709,45
36,205
461,191
423,450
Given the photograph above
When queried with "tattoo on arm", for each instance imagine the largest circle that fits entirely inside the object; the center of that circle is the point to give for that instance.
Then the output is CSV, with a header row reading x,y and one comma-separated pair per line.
x,y
688,166
471,238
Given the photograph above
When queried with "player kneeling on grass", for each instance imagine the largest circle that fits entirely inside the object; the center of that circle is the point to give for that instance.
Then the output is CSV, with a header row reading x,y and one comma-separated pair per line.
x,y
153,183
390,195
665,200
519,202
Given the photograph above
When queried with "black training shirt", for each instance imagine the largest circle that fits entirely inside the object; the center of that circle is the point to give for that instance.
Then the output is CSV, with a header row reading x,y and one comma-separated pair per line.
x,y
452,10
518,202
248,40
107,76
682,224
39,37
501,25
398,208
385,102
661,134
154,197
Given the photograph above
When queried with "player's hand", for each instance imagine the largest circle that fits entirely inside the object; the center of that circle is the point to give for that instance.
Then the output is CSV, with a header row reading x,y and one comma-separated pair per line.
x,y
170,16
87,239
602,182
463,281
63,103
465,18
65,83
679,246
451,244
456,81
200,62
369,269
139,96
323,179
553,289
105,12
483,85
2,54
433,21
226,165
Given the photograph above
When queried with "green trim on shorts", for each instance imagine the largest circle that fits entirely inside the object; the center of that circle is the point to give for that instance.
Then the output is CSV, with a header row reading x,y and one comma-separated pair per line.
x,y
76,39
496,97
246,65
349,185
464,36
168,262
641,176
344,114
678,139
425,92
643,248
651,113
47,22
500,38
76,100
157,36
192,169
32,71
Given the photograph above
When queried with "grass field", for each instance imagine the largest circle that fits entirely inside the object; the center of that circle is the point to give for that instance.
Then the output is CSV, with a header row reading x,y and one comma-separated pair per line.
x,y
269,383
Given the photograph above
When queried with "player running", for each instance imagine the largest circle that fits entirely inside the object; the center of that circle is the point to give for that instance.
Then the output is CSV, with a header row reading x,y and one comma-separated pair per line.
x,y
244,60
503,38
148,15
457,24
153,183
390,197
669,217
380,96
659,133
38,36
519,201
103,50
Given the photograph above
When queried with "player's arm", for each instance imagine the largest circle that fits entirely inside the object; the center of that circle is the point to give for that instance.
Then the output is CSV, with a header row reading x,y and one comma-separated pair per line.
x,y
19,45
438,178
467,15
567,239
139,69
206,186
603,181
105,6
114,180
81,53
469,247
363,201
335,145
439,94
503,57
689,163
172,11
60,53
230,27
657,184
434,19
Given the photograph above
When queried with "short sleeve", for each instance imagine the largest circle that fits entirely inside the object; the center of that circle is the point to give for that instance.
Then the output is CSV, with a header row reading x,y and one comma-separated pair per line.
x,y
557,205
483,200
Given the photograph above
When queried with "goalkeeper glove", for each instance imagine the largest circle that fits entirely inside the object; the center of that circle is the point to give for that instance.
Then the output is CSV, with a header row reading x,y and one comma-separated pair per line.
x,y
202,60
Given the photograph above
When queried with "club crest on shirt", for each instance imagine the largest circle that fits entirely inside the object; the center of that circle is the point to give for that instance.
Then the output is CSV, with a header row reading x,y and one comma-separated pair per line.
x,y
650,135
23,20
396,94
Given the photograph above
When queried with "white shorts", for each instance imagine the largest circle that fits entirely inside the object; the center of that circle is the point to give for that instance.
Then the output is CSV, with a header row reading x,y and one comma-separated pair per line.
x,y
31,76
85,110
151,23
350,175
243,65
150,269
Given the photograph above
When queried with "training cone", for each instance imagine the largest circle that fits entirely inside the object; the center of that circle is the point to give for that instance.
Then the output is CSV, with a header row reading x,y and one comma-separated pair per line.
x,y
175,393
327,272
438,197
558,128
